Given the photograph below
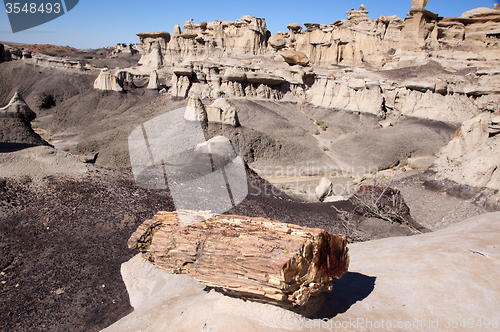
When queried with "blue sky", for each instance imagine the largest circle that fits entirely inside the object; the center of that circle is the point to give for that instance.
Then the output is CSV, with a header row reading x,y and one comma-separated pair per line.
x,y
94,24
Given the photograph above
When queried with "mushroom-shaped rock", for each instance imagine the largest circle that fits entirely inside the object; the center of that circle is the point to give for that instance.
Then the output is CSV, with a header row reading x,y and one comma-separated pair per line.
x,y
277,41
295,57
190,25
324,189
294,27
234,75
154,35
312,26
17,107
356,14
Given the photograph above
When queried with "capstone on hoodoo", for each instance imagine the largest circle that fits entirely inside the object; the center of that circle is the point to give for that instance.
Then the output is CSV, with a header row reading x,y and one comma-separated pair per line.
x,y
388,41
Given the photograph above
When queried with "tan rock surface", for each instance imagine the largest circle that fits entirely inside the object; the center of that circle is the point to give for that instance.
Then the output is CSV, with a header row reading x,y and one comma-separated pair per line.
x,y
295,58
277,41
473,155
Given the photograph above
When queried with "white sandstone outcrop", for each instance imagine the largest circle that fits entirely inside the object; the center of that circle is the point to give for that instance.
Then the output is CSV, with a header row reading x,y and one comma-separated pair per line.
x,y
221,111
324,189
153,83
473,155
107,81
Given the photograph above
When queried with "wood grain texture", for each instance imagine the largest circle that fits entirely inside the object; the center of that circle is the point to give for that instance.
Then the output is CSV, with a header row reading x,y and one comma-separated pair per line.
x,y
254,258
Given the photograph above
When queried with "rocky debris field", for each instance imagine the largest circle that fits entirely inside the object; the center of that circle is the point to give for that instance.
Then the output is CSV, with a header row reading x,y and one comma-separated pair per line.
x,y
64,237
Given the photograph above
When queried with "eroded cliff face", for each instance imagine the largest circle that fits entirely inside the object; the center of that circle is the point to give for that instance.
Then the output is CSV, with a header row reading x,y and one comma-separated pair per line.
x,y
357,64
357,41
246,36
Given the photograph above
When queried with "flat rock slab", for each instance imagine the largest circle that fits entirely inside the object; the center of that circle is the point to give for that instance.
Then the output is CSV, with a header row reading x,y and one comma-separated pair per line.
x,y
421,283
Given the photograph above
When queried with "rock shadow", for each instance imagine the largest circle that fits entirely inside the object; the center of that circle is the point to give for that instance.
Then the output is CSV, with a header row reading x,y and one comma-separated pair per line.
x,y
349,289
6,147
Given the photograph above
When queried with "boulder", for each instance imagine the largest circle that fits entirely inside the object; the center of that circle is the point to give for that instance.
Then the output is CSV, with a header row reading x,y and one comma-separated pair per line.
x,y
107,81
219,147
239,255
295,57
441,88
277,41
324,189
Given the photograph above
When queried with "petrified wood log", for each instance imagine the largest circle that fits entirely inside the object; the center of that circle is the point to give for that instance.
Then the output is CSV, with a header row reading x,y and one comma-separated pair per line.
x,y
254,258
